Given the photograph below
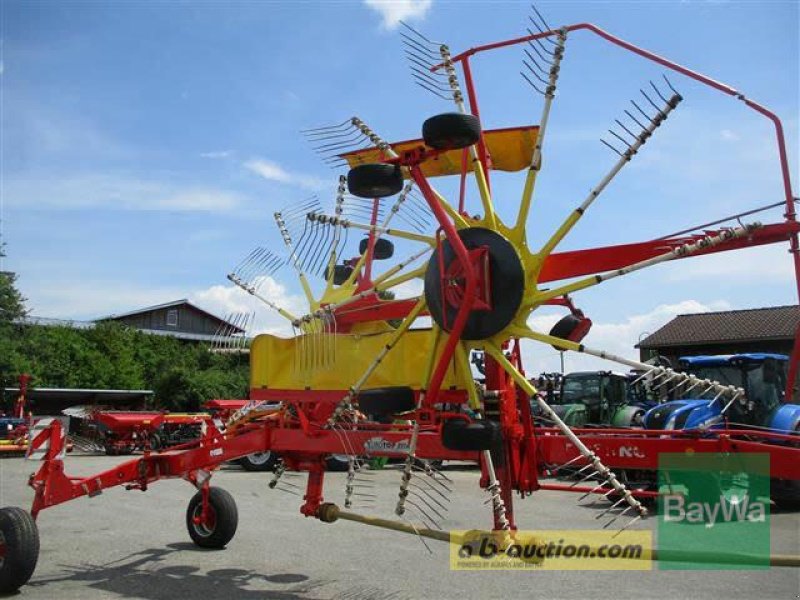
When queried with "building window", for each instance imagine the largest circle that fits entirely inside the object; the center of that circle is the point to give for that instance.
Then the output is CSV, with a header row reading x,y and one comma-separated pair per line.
x,y
172,318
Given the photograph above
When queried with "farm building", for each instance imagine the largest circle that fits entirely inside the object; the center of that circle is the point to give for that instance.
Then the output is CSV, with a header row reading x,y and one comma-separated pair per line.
x,y
770,329
180,319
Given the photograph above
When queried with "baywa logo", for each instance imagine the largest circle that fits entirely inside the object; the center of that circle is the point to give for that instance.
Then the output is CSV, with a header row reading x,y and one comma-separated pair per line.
x,y
725,510
714,511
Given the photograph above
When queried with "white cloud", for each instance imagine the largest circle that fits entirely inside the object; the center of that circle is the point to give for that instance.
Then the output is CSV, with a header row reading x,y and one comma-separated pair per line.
x,y
216,154
115,193
729,136
408,289
90,299
272,171
224,300
394,11
758,265
615,337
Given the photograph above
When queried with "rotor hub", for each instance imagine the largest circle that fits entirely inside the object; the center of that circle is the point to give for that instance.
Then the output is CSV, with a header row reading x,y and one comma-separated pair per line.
x,y
499,290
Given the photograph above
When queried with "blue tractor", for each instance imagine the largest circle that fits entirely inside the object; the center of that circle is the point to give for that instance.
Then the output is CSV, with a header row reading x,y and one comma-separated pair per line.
x,y
764,406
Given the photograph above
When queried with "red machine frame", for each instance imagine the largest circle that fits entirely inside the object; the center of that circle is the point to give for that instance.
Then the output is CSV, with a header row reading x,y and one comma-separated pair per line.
x,y
298,430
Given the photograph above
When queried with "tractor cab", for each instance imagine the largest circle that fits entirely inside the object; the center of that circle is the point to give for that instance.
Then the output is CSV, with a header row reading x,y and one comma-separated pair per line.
x,y
761,375
595,398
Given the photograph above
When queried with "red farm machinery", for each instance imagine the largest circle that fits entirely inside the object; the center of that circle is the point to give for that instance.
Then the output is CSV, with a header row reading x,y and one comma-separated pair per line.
x,y
358,379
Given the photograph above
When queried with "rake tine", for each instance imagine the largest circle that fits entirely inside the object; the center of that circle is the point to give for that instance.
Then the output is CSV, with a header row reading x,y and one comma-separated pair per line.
x,y
435,93
425,76
644,114
628,131
593,490
650,100
245,260
617,517
568,463
428,506
538,41
634,119
541,18
414,45
338,135
421,81
420,35
658,92
428,495
669,84
530,83
533,72
313,129
628,524
430,521
620,138
530,56
536,48
421,63
610,508
431,481
612,147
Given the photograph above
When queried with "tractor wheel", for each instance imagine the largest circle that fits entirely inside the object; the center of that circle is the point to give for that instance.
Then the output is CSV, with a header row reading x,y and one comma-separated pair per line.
x,y
341,273
19,548
222,521
375,180
384,249
156,442
258,461
450,131
785,493
458,434
387,401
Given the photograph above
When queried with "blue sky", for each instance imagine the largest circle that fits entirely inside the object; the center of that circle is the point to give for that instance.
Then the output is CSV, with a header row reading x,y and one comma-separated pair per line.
x,y
145,146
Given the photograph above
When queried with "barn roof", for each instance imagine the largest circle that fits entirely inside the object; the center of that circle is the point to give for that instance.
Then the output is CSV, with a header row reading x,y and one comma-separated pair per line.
x,y
182,302
754,324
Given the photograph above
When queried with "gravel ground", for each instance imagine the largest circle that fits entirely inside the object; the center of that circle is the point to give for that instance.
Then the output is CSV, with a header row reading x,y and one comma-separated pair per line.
x,y
135,545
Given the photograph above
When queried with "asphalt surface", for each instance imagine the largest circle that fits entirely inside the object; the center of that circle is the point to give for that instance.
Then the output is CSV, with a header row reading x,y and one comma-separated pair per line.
x,y
129,544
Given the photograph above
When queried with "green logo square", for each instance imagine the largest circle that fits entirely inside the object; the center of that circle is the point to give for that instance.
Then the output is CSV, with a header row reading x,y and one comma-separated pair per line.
x,y
714,511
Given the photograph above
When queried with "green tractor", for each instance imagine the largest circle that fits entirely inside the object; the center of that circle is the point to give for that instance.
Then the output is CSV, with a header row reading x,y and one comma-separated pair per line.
x,y
598,399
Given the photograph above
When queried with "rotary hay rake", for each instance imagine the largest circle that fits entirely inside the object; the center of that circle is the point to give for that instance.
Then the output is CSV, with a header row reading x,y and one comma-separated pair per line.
x,y
350,383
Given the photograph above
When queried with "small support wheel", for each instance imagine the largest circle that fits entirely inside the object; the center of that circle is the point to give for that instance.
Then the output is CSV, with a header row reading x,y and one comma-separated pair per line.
x,y
387,401
258,461
375,180
19,548
341,273
450,131
383,250
458,434
217,527
571,328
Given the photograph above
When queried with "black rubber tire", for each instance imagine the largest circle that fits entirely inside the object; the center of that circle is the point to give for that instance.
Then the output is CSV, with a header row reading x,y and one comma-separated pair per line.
x,y
458,434
564,328
450,131
156,442
226,519
337,463
383,250
21,538
341,273
387,401
375,180
258,462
